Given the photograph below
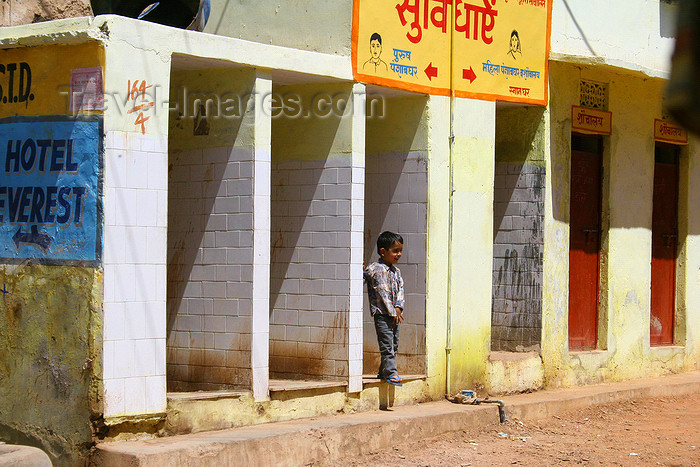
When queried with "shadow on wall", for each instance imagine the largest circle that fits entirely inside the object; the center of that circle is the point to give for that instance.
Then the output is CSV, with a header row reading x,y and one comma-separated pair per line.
x,y
390,139
668,17
296,139
580,29
396,200
519,141
199,168
311,193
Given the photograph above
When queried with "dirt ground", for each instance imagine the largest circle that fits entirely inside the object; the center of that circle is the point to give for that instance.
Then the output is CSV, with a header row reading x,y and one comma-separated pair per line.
x,y
664,431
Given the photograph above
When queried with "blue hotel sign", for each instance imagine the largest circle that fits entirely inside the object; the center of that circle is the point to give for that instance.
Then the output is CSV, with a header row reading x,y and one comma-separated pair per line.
x,y
50,189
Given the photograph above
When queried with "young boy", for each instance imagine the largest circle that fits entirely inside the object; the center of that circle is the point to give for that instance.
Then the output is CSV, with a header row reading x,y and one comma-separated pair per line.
x,y
386,302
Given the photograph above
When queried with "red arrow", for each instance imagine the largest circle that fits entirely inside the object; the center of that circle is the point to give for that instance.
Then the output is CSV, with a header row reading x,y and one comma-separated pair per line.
x,y
431,71
469,74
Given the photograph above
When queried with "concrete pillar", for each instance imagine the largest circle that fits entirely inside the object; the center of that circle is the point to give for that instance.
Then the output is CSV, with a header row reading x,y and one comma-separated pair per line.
x,y
135,231
260,347
690,197
471,239
438,239
555,257
357,223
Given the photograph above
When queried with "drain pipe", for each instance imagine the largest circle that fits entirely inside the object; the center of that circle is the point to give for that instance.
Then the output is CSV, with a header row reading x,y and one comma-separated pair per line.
x,y
501,407
469,397
448,337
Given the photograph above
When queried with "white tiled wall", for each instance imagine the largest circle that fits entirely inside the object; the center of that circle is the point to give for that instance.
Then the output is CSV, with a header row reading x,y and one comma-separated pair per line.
x,y
135,213
310,283
262,170
210,268
357,226
396,200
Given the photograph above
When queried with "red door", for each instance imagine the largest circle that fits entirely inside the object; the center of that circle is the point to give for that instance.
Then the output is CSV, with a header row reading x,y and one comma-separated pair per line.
x,y
663,245
584,246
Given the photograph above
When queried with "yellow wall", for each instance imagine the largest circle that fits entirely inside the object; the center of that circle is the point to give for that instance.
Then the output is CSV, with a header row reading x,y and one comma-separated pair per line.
x,y
50,67
437,275
624,350
225,93
310,121
50,353
690,278
51,324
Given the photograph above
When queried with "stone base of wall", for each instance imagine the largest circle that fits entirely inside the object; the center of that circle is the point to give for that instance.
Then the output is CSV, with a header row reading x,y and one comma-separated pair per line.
x,y
514,372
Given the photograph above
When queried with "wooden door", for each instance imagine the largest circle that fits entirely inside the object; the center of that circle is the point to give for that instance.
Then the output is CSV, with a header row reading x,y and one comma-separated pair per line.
x,y
584,241
664,229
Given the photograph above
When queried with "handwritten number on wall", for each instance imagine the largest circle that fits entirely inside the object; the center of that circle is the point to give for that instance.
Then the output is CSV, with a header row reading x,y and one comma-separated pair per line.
x,y
137,91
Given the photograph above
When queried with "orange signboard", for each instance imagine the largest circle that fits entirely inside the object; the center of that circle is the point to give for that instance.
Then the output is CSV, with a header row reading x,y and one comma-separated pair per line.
x,y
591,121
491,50
669,133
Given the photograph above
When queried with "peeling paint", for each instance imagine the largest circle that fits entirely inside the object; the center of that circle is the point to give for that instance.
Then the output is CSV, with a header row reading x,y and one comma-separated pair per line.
x,y
49,331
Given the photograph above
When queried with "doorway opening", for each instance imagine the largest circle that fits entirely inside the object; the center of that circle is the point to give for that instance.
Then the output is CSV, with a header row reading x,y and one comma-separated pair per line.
x,y
664,244
585,240
210,228
311,220
396,199
518,230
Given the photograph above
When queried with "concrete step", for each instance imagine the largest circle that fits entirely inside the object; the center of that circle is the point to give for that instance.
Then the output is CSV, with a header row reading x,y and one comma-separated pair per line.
x,y
300,442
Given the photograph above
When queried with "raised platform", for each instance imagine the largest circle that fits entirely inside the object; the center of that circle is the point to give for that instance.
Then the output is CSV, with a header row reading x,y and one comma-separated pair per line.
x,y
323,439
196,411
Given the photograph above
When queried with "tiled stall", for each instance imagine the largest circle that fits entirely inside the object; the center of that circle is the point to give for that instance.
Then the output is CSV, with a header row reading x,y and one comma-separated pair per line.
x,y
396,199
211,229
516,318
316,208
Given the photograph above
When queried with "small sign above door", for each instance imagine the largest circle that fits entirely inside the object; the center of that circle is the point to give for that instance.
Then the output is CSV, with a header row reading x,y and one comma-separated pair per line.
x,y
591,121
669,132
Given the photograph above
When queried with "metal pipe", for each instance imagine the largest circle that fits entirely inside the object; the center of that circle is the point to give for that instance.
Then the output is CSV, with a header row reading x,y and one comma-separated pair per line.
x,y
448,343
501,407
469,397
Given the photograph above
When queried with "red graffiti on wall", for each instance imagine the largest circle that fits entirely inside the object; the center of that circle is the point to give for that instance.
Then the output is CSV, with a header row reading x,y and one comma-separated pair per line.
x,y
137,93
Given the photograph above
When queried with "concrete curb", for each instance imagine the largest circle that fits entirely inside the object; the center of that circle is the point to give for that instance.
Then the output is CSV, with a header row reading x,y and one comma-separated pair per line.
x,y
12,455
544,404
301,442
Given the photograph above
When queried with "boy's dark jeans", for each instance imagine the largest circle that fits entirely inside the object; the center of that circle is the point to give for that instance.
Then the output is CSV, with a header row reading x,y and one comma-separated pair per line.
x,y
388,339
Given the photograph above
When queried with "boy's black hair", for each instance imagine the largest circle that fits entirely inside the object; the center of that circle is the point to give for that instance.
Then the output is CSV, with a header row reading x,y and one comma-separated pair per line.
x,y
376,37
386,239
